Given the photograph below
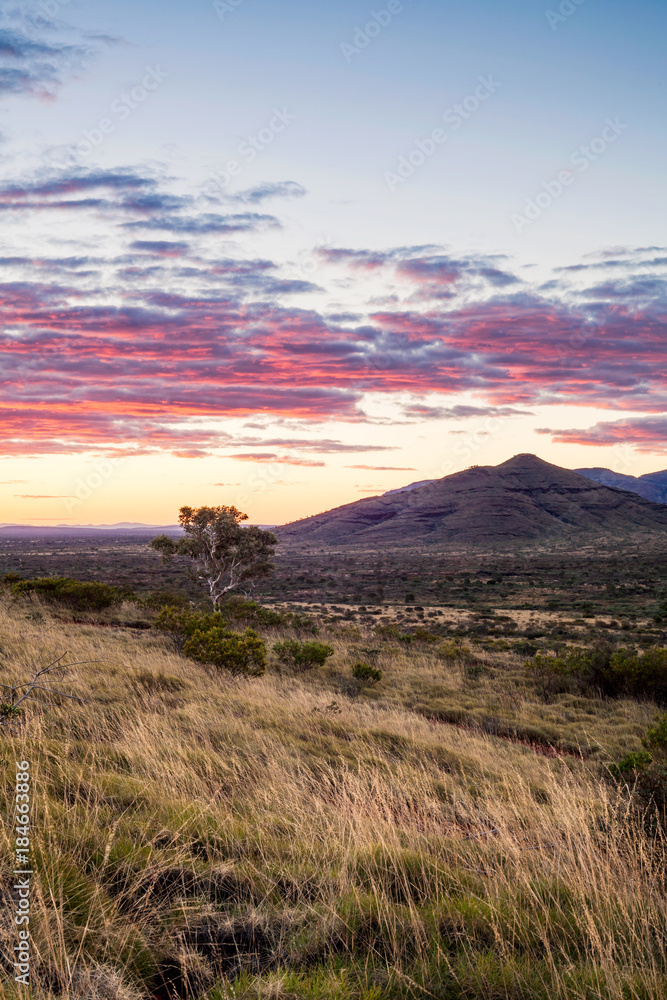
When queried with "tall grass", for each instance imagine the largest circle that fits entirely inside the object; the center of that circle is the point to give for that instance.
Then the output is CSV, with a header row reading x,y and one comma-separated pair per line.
x,y
279,837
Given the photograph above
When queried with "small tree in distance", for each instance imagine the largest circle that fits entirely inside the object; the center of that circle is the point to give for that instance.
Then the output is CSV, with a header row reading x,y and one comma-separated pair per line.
x,y
225,554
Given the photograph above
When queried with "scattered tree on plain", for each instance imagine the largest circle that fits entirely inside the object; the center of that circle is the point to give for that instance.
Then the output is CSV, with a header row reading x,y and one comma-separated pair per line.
x,y
225,554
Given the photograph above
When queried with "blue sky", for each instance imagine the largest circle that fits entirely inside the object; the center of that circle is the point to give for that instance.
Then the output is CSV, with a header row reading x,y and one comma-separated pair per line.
x,y
355,119
554,160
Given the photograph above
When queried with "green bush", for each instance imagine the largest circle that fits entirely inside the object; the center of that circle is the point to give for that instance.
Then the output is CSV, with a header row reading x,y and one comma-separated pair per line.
x,y
301,656
421,634
78,595
656,736
366,675
207,638
645,771
639,675
615,673
629,765
651,787
239,611
159,599
238,652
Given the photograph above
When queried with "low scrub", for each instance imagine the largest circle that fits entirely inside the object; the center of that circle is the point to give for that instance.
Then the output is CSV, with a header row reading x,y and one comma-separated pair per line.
x,y
238,611
366,675
79,595
208,639
645,771
302,656
615,673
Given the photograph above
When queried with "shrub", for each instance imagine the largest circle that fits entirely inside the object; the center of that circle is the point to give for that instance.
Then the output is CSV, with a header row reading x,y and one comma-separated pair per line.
x,y
421,634
634,761
207,638
453,650
646,770
159,599
238,652
239,611
616,673
392,632
656,736
651,787
640,675
301,656
660,612
366,675
75,594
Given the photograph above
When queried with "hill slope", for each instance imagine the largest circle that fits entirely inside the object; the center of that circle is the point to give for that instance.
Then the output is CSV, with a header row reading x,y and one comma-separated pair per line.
x,y
523,500
652,486
291,837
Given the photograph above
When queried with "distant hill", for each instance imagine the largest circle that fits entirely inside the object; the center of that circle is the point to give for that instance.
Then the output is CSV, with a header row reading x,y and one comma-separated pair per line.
x,y
523,500
652,486
126,529
123,529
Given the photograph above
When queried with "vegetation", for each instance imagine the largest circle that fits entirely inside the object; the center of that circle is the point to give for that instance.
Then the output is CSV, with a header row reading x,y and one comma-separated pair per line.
x,y
302,656
602,668
208,639
225,554
75,594
624,586
365,674
645,771
285,836
403,819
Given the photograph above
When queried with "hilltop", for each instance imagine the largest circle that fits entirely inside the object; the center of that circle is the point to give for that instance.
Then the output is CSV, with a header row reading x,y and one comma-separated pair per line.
x,y
522,500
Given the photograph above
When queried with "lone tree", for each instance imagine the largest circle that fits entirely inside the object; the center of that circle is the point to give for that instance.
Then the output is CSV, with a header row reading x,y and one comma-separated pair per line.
x,y
225,554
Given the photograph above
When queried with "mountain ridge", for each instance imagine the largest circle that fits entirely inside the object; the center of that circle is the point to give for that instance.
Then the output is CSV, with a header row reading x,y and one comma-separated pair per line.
x,y
652,486
522,500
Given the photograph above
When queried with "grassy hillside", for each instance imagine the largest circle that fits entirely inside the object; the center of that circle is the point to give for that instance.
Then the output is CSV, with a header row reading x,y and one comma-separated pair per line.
x,y
304,837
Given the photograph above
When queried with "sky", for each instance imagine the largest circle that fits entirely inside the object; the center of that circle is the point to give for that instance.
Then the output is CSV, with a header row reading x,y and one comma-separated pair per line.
x,y
288,255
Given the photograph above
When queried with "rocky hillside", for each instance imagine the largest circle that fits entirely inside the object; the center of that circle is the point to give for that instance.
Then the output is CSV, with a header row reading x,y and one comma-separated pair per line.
x,y
523,500
652,486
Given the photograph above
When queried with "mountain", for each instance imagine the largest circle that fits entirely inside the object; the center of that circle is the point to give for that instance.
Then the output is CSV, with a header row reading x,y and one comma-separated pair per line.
x,y
409,487
523,500
126,529
652,486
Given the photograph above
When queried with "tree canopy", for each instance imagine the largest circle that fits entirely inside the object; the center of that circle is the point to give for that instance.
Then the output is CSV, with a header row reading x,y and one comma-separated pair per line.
x,y
226,554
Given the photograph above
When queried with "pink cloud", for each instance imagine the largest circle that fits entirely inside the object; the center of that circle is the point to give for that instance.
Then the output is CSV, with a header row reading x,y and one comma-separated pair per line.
x,y
647,435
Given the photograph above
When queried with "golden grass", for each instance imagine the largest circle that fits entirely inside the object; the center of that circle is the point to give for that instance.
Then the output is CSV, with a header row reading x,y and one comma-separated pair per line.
x,y
281,837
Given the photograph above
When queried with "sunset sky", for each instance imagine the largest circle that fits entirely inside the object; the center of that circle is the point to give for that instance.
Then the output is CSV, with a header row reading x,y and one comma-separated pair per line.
x,y
289,254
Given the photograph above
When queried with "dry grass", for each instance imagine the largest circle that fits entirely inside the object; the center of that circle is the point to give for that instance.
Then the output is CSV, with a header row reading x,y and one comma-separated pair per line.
x,y
281,837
